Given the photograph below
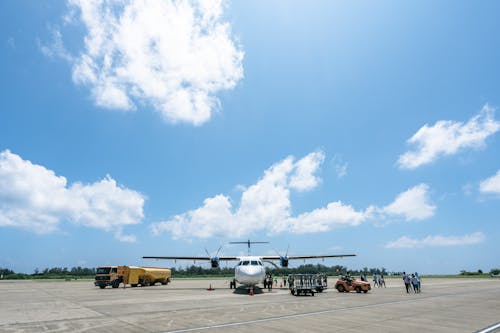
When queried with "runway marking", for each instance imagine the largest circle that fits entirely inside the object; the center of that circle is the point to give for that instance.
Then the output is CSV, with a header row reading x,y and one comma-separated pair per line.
x,y
489,329
308,314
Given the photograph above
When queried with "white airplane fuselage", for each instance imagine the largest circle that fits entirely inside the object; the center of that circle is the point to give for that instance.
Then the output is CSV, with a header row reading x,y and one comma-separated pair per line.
x,y
250,271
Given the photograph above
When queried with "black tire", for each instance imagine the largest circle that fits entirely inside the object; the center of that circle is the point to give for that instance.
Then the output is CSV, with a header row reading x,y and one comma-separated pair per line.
x,y
358,289
145,283
365,291
340,288
115,284
133,285
102,286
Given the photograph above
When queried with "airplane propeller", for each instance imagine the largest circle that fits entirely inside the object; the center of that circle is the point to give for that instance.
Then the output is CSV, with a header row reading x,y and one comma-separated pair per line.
x,y
214,261
283,259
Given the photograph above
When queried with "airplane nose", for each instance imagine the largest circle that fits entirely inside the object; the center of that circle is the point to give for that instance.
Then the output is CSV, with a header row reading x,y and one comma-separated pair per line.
x,y
253,271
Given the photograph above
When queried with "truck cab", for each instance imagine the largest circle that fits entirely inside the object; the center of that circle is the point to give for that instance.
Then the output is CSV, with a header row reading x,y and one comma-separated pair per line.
x,y
107,276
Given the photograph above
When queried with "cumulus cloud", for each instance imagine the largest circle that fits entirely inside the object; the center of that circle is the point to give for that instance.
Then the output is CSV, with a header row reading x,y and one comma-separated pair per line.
x,y
491,185
34,198
266,206
447,137
409,243
173,55
335,214
413,204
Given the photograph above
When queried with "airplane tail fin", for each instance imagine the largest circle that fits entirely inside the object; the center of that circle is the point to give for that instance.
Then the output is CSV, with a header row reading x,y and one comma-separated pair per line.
x,y
248,242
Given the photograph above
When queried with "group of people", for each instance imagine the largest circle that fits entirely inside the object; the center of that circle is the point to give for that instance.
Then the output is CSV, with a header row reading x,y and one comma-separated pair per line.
x,y
269,282
378,280
412,281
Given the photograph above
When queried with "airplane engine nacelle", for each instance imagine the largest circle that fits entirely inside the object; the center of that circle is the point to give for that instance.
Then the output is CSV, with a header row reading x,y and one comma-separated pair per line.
x,y
214,262
284,261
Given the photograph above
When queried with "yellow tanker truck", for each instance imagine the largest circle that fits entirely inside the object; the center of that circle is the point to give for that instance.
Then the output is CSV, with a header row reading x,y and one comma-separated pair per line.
x,y
144,276
133,275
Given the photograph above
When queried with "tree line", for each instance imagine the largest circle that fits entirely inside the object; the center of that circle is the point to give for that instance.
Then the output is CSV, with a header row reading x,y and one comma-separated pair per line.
x,y
199,271
50,273
191,271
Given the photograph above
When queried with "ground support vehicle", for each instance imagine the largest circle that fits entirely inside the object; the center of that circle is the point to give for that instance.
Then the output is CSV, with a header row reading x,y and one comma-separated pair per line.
x,y
133,275
107,276
144,276
346,284
302,284
321,282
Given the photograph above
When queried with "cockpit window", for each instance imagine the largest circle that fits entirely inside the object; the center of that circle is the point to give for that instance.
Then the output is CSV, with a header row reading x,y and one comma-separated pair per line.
x,y
246,262
260,263
254,263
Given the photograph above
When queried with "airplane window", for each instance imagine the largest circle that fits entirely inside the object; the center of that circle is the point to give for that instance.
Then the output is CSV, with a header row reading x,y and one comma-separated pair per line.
x,y
245,263
254,263
260,263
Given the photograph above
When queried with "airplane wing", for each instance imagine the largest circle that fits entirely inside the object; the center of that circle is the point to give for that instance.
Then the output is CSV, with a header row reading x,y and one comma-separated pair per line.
x,y
309,257
191,258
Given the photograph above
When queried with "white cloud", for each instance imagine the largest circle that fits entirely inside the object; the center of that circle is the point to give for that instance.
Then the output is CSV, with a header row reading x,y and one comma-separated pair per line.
x,y
264,205
303,178
412,204
448,137
491,185
335,214
56,49
407,242
36,199
173,55
339,166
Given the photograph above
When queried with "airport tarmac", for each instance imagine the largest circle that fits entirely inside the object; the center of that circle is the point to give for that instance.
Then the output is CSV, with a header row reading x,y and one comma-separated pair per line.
x,y
444,305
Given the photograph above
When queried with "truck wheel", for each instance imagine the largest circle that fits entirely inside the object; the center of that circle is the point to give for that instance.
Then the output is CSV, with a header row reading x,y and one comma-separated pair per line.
x,y
358,289
102,286
365,291
133,285
115,284
292,291
145,283
340,288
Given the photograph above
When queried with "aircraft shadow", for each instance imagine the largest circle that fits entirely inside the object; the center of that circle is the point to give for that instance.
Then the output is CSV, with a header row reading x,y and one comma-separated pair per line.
x,y
241,290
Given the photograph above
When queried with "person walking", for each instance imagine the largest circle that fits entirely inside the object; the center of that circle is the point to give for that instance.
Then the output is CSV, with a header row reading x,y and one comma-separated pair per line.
x,y
407,281
419,282
381,281
414,282
375,280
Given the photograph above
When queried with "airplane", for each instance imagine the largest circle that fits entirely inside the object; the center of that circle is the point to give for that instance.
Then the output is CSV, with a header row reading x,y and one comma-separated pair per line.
x,y
250,270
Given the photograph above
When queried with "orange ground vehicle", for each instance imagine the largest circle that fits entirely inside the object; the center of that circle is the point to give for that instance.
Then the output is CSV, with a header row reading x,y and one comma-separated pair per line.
x,y
346,284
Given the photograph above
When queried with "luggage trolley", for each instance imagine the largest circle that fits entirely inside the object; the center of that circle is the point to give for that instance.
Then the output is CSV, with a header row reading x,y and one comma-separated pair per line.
x,y
302,284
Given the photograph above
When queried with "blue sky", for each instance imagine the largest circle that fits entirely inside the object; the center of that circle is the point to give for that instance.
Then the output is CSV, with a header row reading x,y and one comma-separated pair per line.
x,y
333,127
